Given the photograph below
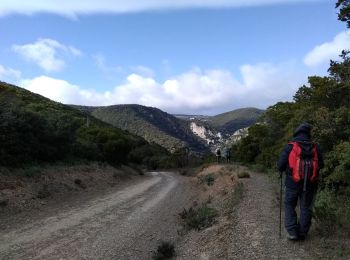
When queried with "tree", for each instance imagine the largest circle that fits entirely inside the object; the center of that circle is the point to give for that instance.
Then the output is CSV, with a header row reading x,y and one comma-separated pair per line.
x,y
344,11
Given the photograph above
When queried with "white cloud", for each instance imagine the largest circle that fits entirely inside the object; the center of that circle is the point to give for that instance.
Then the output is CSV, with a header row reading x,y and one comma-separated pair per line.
x,y
101,63
8,74
62,91
323,53
45,53
143,71
73,8
195,91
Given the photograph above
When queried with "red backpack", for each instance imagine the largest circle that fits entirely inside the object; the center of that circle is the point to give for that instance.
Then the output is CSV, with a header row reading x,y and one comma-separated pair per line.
x,y
303,160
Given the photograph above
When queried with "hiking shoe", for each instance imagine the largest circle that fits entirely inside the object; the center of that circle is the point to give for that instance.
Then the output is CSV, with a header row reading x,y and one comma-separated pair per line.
x,y
292,237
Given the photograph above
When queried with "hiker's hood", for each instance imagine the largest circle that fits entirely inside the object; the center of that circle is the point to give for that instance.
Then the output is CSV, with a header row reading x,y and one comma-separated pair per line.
x,y
303,130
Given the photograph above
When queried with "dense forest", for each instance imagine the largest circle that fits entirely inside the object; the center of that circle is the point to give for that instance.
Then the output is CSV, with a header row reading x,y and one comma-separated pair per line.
x,y
35,130
325,103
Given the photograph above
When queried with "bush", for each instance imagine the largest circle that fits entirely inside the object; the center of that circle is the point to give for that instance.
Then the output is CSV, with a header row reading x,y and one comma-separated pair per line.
x,y
208,179
44,192
165,250
80,183
243,175
332,211
31,172
4,202
199,218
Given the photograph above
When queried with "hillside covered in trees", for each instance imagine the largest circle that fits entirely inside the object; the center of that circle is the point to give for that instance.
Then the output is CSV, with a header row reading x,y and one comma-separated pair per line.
x,y
151,123
229,122
325,103
35,130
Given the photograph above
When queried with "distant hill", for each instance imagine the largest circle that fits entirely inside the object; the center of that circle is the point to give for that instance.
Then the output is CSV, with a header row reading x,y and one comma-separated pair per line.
x,y
34,129
151,123
229,122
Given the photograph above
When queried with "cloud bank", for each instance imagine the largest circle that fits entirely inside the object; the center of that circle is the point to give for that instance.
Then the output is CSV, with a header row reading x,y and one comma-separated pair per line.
x,y
76,7
322,54
194,91
9,74
46,53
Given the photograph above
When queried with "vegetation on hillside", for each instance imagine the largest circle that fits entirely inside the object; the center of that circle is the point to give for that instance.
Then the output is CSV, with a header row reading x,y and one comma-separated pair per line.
x,y
231,121
35,130
325,103
151,123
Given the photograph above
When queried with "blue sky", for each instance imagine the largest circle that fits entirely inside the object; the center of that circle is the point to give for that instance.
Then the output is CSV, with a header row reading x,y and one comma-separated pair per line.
x,y
191,56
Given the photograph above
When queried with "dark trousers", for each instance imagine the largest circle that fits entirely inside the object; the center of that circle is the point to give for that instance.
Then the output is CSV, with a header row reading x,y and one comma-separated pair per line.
x,y
306,198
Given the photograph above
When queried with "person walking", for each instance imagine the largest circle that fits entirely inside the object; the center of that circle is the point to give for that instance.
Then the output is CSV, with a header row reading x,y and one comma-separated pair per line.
x,y
218,155
301,160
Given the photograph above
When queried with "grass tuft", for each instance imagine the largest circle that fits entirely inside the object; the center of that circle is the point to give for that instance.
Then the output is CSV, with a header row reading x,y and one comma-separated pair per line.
x,y
198,218
208,179
165,250
44,192
243,175
234,198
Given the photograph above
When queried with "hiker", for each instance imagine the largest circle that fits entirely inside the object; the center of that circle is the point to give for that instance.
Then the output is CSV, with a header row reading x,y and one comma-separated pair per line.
x,y
227,155
218,155
301,160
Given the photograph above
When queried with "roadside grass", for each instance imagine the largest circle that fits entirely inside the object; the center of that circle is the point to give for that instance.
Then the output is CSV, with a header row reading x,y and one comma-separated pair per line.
x,y
234,198
335,248
44,192
165,250
243,175
189,171
257,168
198,218
208,179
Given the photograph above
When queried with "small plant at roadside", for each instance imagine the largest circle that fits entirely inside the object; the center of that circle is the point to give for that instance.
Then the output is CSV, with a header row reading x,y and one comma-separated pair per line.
x,y
32,172
243,175
165,250
4,202
80,183
44,192
208,179
198,218
210,199
234,198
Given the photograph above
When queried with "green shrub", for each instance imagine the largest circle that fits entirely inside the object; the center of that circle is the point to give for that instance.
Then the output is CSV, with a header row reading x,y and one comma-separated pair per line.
x,y
31,171
208,179
332,211
243,175
4,203
198,218
80,183
165,250
44,192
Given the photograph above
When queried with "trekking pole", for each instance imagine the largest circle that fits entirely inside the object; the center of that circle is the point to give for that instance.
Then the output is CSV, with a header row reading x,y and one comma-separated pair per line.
x,y
281,175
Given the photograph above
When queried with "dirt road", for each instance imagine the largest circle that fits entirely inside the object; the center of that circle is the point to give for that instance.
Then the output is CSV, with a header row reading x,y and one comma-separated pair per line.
x,y
125,224
256,225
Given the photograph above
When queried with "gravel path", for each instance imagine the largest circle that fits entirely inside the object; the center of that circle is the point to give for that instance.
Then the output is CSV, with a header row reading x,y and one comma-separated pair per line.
x,y
125,224
255,233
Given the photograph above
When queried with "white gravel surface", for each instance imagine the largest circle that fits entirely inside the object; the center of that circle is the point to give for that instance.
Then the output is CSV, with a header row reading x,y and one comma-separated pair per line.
x,y
124,224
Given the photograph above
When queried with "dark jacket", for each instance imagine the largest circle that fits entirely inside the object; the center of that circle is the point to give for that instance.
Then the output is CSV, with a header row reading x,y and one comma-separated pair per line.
x,y
301,134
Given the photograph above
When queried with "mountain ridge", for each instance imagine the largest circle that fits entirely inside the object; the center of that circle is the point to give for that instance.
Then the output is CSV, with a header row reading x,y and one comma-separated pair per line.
x,y
151,123
197,132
